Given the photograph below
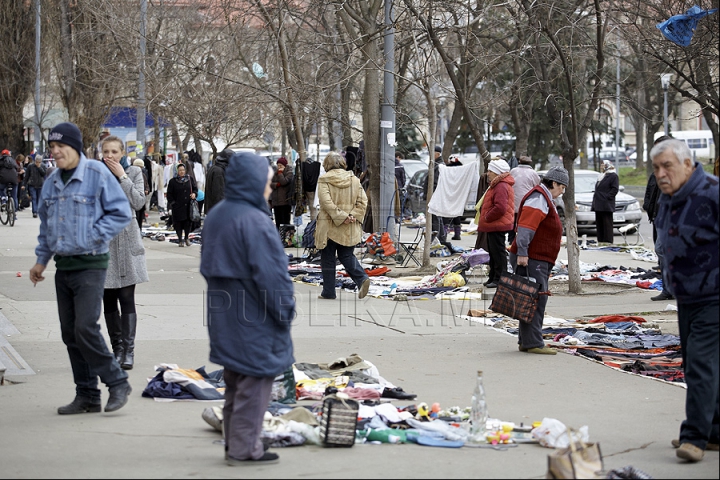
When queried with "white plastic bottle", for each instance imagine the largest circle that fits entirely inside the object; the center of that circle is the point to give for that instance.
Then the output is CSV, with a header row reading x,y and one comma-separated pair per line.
x,y
479,412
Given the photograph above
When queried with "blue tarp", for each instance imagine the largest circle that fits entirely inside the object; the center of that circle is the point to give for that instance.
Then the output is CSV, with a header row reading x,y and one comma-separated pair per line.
x,y
126,117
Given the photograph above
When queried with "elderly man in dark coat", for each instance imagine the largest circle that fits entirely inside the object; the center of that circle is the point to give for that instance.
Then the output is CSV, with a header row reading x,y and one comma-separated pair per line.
x,y
250,304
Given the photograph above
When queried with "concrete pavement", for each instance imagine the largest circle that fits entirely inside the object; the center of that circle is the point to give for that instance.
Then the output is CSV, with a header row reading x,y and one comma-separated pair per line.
x,y
428,351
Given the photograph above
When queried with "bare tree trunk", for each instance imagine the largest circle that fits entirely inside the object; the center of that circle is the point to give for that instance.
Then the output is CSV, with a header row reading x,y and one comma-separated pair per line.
x,y
432,128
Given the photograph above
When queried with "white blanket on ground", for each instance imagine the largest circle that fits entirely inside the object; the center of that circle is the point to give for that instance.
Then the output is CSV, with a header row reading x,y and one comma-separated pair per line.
x,y
457,186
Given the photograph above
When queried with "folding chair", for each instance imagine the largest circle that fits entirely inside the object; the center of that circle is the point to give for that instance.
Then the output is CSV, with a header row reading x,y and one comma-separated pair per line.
x,y
407,249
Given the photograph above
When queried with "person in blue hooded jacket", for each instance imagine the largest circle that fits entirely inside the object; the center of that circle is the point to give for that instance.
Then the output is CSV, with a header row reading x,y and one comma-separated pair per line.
x,y
250,304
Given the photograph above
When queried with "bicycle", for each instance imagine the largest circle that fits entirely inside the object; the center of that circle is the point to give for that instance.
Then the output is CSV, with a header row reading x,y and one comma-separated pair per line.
x,y
7,206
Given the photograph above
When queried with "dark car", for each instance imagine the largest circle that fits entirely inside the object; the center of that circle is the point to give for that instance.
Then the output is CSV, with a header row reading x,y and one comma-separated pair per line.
x,y
416,196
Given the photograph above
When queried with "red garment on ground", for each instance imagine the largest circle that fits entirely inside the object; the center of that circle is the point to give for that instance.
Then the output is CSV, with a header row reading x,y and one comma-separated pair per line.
x,y
372,272
617,318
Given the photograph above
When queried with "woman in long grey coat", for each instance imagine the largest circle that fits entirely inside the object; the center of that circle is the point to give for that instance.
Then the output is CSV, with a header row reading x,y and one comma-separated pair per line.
x,y
126,267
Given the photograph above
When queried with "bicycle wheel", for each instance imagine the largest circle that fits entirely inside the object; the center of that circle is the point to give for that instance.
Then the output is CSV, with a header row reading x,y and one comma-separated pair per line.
x,y
11,211
3,213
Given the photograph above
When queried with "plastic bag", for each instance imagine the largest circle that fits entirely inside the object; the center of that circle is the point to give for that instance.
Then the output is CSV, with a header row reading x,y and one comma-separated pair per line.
x,y
453,279
552,433
194,211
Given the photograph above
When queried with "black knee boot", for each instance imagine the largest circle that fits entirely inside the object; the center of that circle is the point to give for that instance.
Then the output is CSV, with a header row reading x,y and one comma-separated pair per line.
x,y
458,231
112,320
129,326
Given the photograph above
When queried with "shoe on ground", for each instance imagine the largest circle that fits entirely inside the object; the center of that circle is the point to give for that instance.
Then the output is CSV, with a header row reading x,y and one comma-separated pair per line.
x,y
662,296
325,298
181,244
80,405
364,288
213,416
34,215
118,397
268,458
187,242
691,453
491,285
456,237
711,446
522,349
542,351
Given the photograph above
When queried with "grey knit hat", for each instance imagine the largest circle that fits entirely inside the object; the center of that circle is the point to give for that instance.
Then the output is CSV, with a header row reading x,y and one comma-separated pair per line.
x,y
559,175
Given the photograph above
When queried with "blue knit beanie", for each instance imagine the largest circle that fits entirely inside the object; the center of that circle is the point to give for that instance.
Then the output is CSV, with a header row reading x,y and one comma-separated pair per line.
x,y
67,133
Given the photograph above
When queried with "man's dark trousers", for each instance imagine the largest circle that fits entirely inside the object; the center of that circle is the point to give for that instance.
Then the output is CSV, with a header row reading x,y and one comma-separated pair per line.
x,y
246,400
79,298
498,255
700,342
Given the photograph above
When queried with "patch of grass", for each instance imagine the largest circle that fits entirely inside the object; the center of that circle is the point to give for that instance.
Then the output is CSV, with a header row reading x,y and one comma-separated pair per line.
x,y
630,176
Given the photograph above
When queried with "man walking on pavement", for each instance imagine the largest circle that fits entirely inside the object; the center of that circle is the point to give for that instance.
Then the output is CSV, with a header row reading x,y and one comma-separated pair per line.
x,y
687,225
82,207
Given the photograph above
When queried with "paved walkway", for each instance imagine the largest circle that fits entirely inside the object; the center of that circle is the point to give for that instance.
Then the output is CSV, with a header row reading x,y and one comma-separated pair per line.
x,y
428,352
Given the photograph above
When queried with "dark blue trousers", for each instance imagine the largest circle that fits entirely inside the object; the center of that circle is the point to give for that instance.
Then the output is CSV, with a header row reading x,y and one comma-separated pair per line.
x,y
79,298
349,261
700,341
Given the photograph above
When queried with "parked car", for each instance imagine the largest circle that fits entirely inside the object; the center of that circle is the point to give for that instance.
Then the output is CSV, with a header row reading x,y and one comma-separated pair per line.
x,y
416,196
411,168
627,208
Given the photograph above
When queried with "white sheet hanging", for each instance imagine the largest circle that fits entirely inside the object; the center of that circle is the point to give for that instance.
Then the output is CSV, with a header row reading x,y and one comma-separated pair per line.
x,y
457,186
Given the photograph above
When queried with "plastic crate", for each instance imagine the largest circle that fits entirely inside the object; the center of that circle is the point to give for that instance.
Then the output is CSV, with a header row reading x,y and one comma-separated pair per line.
x,y
338,422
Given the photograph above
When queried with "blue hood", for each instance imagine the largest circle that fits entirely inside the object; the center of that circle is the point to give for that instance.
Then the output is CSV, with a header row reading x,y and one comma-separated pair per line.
x,y
245,180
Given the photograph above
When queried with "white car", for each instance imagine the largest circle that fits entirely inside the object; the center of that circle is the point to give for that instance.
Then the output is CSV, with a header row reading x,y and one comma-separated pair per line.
x,y
627,208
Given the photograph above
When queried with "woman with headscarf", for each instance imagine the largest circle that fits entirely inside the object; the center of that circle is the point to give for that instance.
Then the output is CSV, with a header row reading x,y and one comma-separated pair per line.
x,y
535,249
281,184
603,204
338,229
496,217
181,189
126,266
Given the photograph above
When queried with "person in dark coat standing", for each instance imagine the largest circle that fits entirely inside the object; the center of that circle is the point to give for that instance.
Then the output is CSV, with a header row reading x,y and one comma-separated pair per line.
x,y
650,204
215,180
280,198
603,203
34,179
181,190
250,304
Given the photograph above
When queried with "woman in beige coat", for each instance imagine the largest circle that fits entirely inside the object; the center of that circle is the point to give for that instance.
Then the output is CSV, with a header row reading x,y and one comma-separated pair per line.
x,y
339,228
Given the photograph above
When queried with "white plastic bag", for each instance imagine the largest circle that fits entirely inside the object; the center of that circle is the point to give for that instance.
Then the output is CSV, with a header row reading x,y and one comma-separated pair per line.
x,y
552,433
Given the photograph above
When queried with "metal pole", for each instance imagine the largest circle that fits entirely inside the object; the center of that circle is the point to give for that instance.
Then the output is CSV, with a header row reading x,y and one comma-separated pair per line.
x,y
665,110
617,117
387,125
140,133
38,128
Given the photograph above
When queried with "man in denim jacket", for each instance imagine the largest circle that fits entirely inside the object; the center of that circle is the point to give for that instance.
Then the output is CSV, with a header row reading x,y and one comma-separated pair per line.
x,y
687,225
82,207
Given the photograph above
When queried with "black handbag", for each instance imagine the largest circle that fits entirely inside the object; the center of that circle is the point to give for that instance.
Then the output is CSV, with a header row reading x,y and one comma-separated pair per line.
x,y
194,211
516,296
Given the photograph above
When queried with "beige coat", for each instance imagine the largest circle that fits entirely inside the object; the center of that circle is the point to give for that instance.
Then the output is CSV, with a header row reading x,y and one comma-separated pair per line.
x,y
340,195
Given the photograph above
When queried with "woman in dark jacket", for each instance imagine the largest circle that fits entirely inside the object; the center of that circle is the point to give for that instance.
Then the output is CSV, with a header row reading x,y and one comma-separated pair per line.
x,y
280,200
181,190
603,203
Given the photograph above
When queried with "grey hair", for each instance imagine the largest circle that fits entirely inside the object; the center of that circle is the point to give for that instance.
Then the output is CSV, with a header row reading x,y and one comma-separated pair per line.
x,y
678,147
334,160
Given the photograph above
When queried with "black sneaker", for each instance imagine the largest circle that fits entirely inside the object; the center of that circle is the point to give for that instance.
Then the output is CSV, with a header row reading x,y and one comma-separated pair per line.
x,y
663,296
81,405
268,458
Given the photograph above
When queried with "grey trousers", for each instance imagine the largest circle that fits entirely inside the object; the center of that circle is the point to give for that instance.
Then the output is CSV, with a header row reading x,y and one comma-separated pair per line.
x,y
530,334
246,401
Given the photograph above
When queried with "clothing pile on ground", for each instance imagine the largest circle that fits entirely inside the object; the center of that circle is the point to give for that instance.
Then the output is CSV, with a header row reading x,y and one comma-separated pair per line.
x,y
640,277
352,379
161,234
450,282
627,343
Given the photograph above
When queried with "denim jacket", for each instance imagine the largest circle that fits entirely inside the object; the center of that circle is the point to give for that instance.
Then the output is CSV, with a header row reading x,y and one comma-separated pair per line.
x,y
83,215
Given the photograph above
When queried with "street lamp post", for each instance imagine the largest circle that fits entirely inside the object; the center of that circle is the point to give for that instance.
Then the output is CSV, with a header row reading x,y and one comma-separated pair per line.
x,y
665,81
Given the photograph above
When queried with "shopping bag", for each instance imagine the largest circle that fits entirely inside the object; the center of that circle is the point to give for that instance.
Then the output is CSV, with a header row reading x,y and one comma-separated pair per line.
x,y
578,460
516,296
194,211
